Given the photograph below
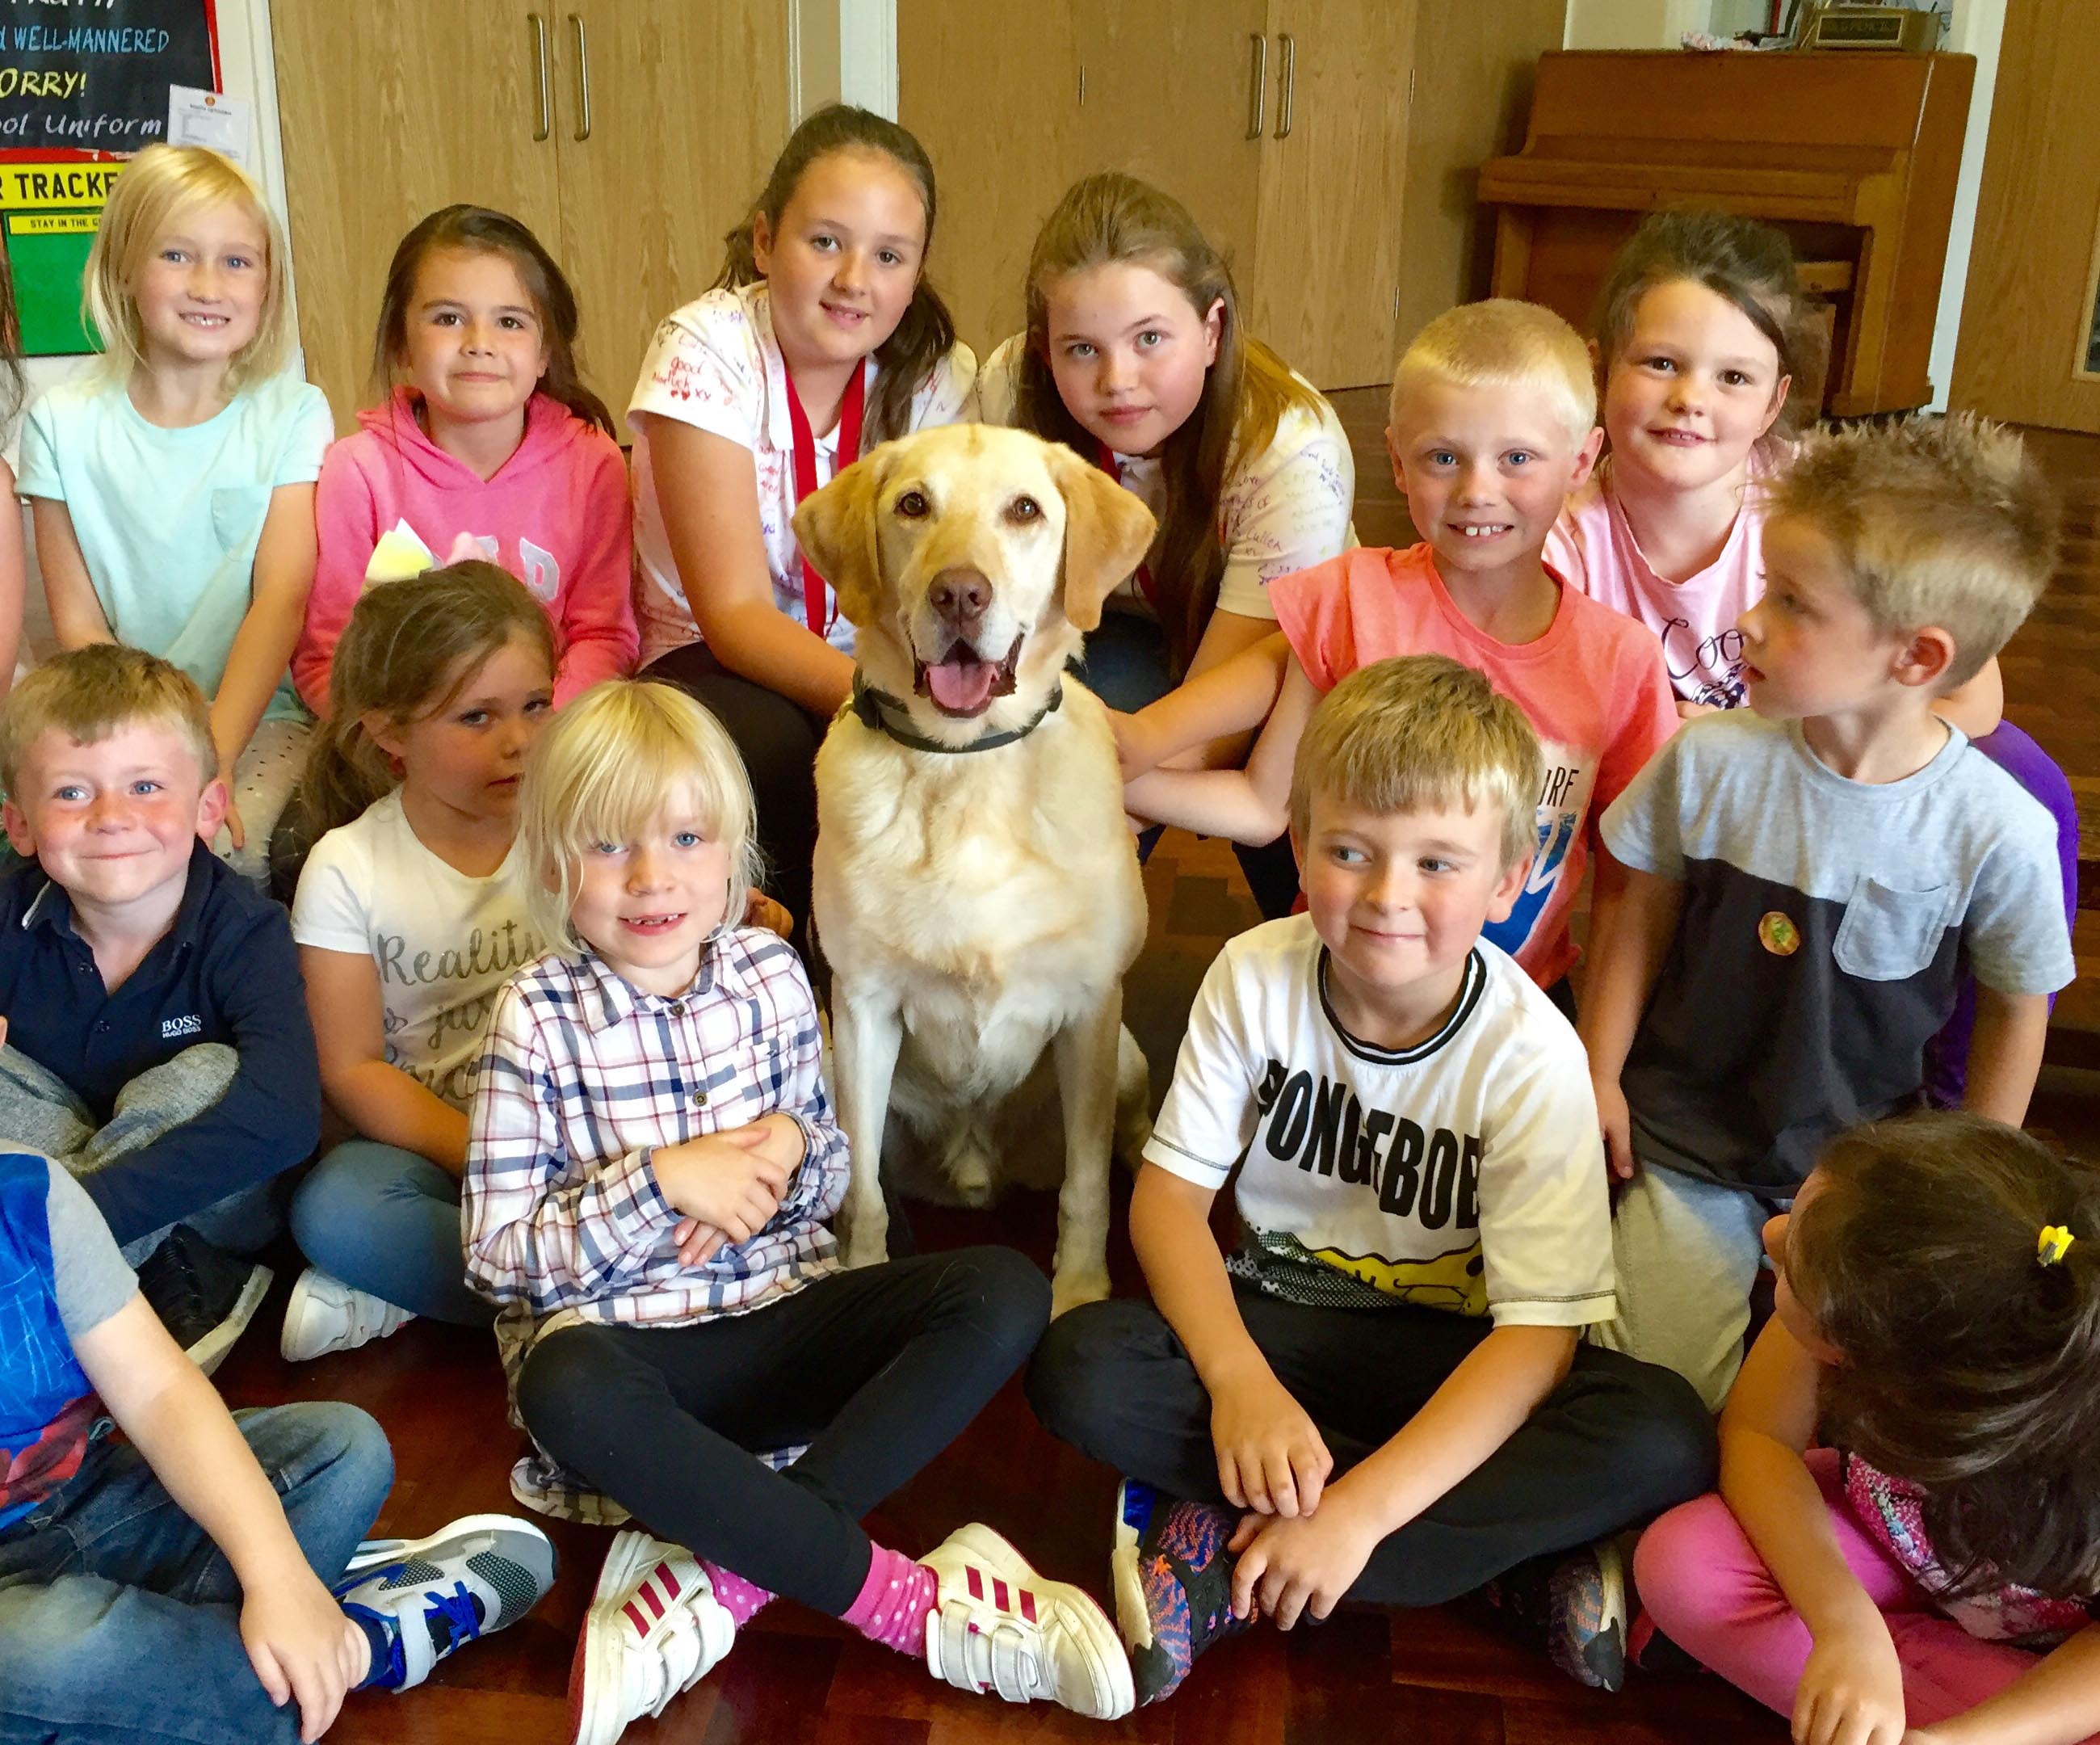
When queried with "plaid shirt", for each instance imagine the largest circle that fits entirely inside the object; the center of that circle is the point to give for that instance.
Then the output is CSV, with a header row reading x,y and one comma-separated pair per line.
x,y
582,1077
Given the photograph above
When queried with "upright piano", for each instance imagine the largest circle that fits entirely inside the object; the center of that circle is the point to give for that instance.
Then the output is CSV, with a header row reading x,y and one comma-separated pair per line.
x,y
1853,153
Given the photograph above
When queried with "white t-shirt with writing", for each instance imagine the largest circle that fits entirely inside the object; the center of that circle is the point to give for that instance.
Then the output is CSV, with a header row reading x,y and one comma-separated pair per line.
x,y
1285,509
1464,1173
443,944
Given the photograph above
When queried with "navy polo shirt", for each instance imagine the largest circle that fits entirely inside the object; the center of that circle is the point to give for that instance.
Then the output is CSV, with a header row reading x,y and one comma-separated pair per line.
x,y
225,971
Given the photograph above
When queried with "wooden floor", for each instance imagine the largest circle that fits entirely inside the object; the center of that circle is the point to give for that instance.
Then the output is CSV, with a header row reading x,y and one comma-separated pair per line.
x,y
1453,1676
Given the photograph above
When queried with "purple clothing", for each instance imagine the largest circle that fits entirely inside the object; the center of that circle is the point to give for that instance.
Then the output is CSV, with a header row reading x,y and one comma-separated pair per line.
x,y
1947,1057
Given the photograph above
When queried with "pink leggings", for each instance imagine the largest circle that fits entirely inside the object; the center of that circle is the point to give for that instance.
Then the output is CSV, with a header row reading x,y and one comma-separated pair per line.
x,y
1708,1590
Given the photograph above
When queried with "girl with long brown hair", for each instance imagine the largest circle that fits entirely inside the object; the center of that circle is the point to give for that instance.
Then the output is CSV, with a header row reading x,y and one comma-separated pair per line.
x,y
487,443
1134,356
1906,1543
821,338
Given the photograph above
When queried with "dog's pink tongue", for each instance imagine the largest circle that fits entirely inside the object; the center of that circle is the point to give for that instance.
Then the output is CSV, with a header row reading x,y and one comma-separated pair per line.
x,y
963,686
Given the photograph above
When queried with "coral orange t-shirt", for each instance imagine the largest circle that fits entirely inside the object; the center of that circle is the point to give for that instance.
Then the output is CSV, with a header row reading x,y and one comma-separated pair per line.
x,y
1594,687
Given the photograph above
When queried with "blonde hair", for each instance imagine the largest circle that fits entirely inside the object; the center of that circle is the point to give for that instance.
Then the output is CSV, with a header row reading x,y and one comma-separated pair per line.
x,y
409,647
1112,219
1504,343
1941,521
1417,733
606,767
90,693
160,184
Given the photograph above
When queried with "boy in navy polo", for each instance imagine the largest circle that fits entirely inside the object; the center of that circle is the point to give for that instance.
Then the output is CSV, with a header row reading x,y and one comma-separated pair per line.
x,y
156,1035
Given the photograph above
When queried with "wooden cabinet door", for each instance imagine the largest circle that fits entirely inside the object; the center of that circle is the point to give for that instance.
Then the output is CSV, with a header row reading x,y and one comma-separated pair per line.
x,y
688,107
1169,90
2030,345
1324,285
392,108
990,88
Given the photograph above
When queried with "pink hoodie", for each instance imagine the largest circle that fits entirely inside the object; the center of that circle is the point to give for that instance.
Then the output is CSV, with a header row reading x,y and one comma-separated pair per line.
x,y
555,516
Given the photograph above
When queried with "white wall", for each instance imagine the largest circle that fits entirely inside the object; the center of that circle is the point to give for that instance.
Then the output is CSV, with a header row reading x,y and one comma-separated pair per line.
x,y
1632,23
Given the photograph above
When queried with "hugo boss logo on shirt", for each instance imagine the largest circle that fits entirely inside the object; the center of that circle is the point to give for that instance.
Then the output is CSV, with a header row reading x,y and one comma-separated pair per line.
x,y
190,1024
1432,1175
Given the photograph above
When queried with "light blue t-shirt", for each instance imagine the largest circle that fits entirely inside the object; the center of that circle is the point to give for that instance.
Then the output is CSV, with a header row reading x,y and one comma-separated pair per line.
x,y
169,520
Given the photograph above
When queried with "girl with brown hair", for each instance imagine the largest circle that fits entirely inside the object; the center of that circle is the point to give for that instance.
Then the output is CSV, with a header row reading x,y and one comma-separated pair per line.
x,y
1906,1543
821,339
1134,356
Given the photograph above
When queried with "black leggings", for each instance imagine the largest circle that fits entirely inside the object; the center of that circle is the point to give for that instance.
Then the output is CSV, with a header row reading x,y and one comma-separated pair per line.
x,y
777,739
1617,1442
877,1371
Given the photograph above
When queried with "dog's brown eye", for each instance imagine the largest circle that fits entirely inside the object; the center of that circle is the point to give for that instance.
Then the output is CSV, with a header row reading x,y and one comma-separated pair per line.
x,y
1023,509
912,504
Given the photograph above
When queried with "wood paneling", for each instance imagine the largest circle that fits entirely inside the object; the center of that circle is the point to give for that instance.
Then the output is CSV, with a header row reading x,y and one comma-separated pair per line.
x,y
392,108
1167,99
689,108
1325,288
990,88
1472,88
2028,310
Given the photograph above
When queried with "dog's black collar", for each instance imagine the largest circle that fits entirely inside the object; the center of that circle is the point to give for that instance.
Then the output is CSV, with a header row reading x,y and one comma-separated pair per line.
x,y
881,711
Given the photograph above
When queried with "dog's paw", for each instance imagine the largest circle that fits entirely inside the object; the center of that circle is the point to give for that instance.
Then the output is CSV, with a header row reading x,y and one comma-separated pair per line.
x,y
1074,1286
867,1239
969,1173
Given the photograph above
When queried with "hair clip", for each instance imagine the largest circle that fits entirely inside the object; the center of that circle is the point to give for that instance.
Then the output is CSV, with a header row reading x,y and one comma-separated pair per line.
x,y
2055,1244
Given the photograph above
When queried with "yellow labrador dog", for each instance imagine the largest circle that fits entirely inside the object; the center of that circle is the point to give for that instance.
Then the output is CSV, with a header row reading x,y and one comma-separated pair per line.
x,y
976,889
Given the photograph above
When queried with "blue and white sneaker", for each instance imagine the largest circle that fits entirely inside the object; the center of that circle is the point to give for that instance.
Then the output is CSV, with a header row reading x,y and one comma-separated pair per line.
x,y
424,1598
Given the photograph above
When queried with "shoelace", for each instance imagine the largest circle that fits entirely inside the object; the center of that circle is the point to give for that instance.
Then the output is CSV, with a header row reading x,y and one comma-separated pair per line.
x,y
1004,1657
455,1612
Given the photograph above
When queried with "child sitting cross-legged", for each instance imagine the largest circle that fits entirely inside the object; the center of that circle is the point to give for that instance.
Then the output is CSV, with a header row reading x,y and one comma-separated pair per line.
x,y
651,1178
1380,1393
1809,880
175,1585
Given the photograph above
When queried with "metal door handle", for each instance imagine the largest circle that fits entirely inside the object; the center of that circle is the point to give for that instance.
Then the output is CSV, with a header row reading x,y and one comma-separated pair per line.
x,y
1257,84
583,78
546,97
1287,83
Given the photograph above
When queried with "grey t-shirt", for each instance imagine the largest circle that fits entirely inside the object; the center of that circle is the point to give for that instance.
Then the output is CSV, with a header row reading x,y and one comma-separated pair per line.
x,y
1826,927
89,1277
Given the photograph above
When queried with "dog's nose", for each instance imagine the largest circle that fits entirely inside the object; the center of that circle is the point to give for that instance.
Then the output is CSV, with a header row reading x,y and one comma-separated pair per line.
x,y
960,596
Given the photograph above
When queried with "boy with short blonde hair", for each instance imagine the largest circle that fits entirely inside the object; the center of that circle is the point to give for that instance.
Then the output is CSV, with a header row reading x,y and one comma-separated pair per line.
x,y
1380,1393
158,1040
1810,878
1493,423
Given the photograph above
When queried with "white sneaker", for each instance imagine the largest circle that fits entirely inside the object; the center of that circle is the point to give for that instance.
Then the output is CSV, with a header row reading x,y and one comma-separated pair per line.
x,y
997,1625
654,1629
429,1598
324,1314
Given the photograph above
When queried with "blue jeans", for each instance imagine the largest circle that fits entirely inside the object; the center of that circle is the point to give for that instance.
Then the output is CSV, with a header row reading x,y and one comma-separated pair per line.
x,y
120,1620
388,1222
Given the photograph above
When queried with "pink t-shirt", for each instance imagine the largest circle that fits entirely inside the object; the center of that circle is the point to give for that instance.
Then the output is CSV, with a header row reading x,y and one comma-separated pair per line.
x,y
1594,548
1593,686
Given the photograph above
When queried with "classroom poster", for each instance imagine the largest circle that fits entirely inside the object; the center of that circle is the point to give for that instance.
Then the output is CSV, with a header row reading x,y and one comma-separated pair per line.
x,y
83,84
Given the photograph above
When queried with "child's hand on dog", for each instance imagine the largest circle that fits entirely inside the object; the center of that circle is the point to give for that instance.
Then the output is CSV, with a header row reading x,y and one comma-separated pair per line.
x,y
1136,750
732,1181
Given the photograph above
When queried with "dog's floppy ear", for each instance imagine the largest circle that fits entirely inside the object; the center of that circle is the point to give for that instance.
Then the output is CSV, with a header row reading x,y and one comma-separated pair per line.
x,y
835,527
1107,533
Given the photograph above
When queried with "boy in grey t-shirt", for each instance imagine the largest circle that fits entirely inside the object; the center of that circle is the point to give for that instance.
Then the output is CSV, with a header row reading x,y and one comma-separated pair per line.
x,y
119,1616
1808,880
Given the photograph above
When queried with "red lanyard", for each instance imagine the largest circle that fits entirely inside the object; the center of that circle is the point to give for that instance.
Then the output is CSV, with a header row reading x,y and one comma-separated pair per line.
x,y
1105,458
817,615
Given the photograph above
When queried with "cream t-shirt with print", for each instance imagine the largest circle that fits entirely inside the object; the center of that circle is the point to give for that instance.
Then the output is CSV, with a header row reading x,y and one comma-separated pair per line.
x,y
715,365
443,944
1285,509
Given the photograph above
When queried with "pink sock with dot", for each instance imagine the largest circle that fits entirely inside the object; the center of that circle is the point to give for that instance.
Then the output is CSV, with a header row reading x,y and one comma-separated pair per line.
x,y
739,1598
894,1602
